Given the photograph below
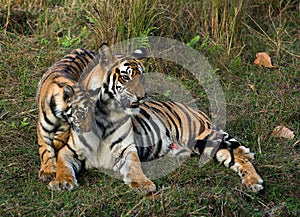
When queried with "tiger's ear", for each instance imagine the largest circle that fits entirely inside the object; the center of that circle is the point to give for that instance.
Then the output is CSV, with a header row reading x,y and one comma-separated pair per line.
x,y
140,53
68,92
106,57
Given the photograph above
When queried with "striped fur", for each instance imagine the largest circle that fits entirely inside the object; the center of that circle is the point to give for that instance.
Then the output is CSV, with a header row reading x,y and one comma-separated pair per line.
x,y
115,127
52,127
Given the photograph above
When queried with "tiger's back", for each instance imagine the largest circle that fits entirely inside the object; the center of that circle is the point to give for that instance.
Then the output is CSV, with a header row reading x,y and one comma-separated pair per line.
x,y
52,127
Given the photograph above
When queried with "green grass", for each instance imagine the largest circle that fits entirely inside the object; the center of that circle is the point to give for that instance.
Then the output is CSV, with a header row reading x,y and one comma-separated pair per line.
x,y
228,39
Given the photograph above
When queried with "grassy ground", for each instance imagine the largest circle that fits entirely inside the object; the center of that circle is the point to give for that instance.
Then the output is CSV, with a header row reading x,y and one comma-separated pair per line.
x,y
34,34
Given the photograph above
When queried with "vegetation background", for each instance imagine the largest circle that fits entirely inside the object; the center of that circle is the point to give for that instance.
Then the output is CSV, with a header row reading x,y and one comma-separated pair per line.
x,y
36,33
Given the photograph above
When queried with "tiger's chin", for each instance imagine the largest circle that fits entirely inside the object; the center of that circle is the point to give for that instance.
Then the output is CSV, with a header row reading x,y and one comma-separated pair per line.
x,y
132,108
132,111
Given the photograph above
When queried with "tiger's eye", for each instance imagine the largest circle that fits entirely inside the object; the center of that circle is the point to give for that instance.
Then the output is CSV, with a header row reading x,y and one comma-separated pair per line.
x,y
125,77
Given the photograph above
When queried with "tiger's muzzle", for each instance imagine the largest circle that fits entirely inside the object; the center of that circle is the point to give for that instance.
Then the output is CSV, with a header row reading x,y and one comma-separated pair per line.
x,y
140,100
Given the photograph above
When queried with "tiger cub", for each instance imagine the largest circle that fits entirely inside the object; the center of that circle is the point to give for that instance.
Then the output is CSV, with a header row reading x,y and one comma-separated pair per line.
x,y
115,126
53,128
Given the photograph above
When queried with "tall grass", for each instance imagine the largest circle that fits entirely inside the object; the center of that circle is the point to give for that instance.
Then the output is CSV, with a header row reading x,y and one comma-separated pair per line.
x,y
220,23
222,20
117,20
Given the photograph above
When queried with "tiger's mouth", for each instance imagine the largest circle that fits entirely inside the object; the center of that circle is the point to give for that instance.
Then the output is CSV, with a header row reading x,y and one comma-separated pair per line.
x,y
137,103
132,103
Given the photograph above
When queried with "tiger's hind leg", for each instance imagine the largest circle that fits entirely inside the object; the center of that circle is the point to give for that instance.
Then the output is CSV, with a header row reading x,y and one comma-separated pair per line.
x,y
48,153
228,151
48,160
238,160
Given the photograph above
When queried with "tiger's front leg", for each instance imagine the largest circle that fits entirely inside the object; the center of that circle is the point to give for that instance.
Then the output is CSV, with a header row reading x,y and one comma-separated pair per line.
x,y
129,166
67,166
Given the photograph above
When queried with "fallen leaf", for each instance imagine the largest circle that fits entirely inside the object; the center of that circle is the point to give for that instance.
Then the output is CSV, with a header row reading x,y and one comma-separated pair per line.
x,y
263,59
283,132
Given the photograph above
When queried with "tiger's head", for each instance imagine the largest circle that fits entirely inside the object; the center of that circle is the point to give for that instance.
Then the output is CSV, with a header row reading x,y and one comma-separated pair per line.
x,y
117,80
82,103
124,80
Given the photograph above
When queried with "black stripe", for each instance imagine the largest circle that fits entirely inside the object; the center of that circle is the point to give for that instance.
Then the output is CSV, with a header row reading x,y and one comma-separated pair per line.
x,y
100,110
66,61
101,126
157,150
45,115
171,119
45,129
52,105
50,139
85,57
49,159
135,128
234,144
120,139
72,150
59,140
232,158
159,115
109,131
78,167
116,142
208,125
68,69
44,152
85,143
75,72
90,54
144,153
141,123
157,131
191,124
106,91
200,145
201,121
123,151
114,80
149,119
171,108
223,145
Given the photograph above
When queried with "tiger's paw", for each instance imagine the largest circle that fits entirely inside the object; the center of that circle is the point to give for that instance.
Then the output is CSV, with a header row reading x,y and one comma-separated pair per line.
x,y
252,182
62,184
144,186
245,152
47,172
46,176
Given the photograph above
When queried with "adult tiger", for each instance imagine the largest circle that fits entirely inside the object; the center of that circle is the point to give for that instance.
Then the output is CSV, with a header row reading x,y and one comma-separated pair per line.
x,y
53,128
114,127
